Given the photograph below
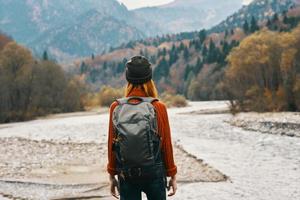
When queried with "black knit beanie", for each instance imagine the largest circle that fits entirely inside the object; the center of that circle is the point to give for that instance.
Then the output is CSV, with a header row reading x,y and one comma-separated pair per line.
x,y
138,70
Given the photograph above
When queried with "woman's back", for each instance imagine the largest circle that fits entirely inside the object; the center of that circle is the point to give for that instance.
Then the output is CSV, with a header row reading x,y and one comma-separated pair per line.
x,y
140,84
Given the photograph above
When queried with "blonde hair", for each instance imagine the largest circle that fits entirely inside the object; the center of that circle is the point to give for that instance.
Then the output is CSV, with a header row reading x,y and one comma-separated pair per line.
x,y
149,88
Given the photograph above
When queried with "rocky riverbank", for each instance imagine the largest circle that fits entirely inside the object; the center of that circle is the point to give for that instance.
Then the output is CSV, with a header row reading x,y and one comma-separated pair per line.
x,y
65,157
283,123
33,169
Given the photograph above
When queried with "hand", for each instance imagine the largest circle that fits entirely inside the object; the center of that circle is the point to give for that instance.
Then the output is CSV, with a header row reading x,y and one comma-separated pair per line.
x,y
113,185
173,185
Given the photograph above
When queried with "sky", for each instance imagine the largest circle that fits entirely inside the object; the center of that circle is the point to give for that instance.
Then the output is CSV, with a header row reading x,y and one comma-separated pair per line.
x,y
132,4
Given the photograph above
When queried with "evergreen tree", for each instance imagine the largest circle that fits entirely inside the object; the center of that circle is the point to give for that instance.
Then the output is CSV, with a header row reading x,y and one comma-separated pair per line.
x,y
202,35
275,18
45,55
246,27
120,67
161,70
211,56
254,27
125,61
153,59
173,48
94,75
93,56
129,45
204,51
285,19
173,57
198,44
187,71
190,78
83,68
226,33
186,54
269,23
234,43
164,51
212,45
141,52
181,46
226,47
159,53
104,65
191,43
198,67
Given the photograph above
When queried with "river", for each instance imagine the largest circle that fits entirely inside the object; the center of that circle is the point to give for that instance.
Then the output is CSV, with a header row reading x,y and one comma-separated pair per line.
x,y
259,166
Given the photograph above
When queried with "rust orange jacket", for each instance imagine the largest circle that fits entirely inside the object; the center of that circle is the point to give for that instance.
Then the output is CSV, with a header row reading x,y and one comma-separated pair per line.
x,y
163,129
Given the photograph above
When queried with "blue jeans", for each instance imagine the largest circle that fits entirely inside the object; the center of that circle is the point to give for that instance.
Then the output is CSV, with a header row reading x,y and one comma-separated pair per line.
x,y
154,190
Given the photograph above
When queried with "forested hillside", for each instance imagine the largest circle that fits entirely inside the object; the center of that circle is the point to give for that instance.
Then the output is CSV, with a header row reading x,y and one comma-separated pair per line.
x,y
70,29
188,15
192,64
261,9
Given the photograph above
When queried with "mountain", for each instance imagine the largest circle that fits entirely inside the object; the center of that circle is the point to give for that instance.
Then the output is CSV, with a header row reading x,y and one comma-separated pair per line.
x,y
188,15
92,33
77,28
26,19
260,9
72,28
68,28
191,63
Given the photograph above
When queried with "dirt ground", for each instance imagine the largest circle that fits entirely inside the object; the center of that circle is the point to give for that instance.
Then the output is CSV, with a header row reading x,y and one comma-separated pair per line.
x,y
73,169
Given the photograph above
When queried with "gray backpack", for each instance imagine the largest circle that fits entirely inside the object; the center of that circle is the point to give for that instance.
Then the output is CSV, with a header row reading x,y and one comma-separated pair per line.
x,y
137,142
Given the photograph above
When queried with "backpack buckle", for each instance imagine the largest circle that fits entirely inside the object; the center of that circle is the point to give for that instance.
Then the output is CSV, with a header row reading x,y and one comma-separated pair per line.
x,y
134,172
140,171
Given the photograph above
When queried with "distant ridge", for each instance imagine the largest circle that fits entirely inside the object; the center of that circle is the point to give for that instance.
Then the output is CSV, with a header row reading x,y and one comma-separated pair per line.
x,y
260,9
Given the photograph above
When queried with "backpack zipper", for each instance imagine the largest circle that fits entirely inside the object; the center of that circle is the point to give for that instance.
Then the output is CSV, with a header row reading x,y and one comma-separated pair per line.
x,y
148,138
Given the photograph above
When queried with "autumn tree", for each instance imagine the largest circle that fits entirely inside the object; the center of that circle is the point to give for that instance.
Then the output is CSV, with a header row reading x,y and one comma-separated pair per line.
x,y
263,73
31,87
4,40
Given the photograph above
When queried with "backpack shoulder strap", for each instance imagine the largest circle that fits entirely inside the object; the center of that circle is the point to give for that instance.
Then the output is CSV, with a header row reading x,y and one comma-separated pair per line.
x,y
125,100
122,101
149,99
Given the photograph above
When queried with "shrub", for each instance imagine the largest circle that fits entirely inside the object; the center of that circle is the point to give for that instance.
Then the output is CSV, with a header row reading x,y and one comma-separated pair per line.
x,y
296,90
90,100
174,100
108,94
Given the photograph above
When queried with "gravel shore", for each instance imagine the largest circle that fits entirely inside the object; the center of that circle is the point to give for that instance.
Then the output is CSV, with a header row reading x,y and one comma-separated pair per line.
x,y
56,158
41,169
284,123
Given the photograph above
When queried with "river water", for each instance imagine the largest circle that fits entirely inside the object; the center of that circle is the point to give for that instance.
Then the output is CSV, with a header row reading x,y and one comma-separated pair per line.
x,y
259,166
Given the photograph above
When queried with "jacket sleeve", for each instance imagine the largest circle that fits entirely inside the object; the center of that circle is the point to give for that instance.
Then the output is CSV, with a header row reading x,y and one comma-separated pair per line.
x,y
111,166
165,132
